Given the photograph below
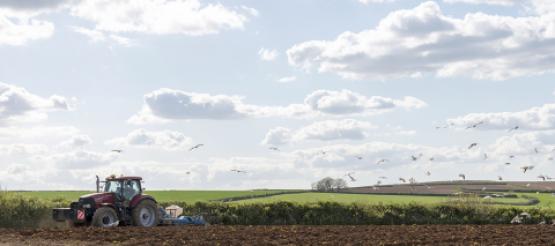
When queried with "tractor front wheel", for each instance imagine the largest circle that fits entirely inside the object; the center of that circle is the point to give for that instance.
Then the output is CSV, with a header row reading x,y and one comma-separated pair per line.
x,y
146,214
105,217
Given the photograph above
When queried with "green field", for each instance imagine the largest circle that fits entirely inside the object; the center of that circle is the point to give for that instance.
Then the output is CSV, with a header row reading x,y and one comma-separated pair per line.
x,y
546,200
162,196
312,197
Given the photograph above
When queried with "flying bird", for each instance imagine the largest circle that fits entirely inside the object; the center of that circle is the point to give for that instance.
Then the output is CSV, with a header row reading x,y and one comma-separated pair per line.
x,y
358,157
462,176
196,147
542,177
379,182
472,145
382,177
550,158
323,152
536,150
428,173
350,175
475,125
499,178
485,156
512,157
402,180
274,148
415,158
381,161
432,159
526,168
507,163
514,128
238,171
117,150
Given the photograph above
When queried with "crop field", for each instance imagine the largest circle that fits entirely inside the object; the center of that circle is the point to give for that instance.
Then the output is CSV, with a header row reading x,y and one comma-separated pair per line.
x,y
190,196
312,197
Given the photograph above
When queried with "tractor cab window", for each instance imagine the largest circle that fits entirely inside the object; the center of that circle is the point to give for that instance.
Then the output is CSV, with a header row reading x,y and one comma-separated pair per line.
x,y
113,186
131,188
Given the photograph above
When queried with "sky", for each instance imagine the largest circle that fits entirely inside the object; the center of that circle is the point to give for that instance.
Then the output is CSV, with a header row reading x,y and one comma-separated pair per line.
x,y
287,91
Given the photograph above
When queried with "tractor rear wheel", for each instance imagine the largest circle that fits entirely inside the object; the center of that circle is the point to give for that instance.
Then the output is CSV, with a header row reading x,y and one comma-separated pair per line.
x,y
146,214
105,217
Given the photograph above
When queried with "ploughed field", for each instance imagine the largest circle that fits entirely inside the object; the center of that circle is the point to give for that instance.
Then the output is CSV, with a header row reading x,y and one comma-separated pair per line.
x,y
284,235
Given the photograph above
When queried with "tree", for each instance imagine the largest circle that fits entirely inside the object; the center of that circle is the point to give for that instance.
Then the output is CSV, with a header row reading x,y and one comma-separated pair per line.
x,y
329,184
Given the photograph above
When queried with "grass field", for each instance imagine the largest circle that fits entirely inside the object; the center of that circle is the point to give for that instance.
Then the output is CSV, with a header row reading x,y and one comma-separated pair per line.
x,y
161,196
546,200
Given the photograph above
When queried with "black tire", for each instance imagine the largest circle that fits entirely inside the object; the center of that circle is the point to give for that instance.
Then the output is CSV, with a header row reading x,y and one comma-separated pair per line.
x,y
105,217
146,214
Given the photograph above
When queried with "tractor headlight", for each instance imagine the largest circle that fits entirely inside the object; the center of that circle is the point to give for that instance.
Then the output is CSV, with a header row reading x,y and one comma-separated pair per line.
x,y
86,205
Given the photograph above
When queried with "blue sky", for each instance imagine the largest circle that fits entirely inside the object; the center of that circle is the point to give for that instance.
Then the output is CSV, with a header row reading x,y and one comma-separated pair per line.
x,y
325,82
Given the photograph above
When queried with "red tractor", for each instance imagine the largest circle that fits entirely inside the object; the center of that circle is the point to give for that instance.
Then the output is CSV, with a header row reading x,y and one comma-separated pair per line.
x,y
122,202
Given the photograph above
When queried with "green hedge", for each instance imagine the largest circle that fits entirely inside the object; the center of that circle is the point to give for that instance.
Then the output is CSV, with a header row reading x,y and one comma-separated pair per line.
x,y
328,213
20,211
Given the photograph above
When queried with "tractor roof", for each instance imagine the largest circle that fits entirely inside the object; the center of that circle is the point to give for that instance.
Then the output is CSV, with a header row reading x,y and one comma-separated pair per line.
x,y
124,178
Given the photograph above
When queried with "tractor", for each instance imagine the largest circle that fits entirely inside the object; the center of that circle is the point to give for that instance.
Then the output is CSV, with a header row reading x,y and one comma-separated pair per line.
x,y
119,201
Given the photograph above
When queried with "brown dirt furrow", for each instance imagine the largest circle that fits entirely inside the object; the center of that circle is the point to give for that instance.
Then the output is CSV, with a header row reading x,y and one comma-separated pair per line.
x,y
289,235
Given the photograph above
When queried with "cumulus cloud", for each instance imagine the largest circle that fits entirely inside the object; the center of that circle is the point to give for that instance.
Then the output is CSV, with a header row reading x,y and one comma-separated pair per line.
x,y
76,141
167,104
375,1
277,136
20,28
96,36
81,159
423,40
346,129
536,118
169,140
32,5
267,54
17,104
188,17
489,2
342,156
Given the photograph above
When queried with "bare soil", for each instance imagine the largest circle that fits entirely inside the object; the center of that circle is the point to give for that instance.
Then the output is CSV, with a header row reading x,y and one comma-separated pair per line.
x,y
288,235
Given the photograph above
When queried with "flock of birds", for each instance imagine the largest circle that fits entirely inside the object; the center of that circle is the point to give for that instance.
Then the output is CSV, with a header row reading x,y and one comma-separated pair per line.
x,y
414,158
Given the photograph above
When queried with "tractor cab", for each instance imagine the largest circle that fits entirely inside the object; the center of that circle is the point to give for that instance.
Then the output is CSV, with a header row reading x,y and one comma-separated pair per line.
x,y
125,189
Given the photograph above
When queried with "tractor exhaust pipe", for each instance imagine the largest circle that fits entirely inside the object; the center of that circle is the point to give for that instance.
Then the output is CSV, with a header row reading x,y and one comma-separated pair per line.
x,y
97,184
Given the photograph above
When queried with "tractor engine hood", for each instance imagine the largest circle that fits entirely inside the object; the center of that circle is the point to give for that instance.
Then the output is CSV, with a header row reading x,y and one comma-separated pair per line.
x,y
99,198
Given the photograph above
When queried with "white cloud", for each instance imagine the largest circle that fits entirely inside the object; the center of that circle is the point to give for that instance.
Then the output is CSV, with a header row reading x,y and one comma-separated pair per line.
x,y
167,104
97,36
277,136
348,102
36,132
76,141
536,118
24,150
375,1
489,2
346,129
20,28
80,159
188,17
423,40
287,79
342,156
169,140
17,104
267,54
